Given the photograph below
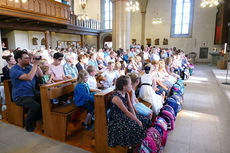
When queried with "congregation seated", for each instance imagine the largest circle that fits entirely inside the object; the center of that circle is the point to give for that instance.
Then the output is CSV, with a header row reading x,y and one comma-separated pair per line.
x,y
155,69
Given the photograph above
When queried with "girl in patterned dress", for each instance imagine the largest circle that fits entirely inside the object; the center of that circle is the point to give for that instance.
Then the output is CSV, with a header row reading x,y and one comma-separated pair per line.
x,y
125,127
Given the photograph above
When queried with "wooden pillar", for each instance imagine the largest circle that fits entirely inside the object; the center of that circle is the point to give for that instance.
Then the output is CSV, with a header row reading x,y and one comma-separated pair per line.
x,y
98,42
47,38
82,41
1,60
53,40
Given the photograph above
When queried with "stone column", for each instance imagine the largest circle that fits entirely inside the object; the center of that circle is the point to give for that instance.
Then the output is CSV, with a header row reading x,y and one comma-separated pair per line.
x,y
53,40
143,6
47,38
121,25
143,14
1,60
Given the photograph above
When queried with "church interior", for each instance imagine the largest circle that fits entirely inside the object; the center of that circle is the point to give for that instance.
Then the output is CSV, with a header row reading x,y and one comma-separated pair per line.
x,y
114,76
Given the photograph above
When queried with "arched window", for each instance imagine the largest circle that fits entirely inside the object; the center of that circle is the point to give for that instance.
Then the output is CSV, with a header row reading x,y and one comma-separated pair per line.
x,y
108,14
182,18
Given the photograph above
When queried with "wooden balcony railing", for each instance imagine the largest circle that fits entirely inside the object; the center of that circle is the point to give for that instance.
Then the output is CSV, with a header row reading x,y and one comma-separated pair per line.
x,y
88,24
43,10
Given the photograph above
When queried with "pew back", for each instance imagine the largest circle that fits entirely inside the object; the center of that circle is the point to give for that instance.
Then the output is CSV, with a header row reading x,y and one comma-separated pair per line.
x,y
102,103
55,119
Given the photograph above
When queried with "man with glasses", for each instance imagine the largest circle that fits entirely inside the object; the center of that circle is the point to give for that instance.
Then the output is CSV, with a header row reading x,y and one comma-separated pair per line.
x,y
24,91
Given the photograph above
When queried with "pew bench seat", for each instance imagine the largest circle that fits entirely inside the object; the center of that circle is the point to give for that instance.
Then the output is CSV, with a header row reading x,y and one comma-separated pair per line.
x,y
144,102
15,113
65,109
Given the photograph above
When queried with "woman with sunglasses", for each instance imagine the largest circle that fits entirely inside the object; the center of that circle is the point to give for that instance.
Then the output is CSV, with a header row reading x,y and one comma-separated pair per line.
x,y
56,68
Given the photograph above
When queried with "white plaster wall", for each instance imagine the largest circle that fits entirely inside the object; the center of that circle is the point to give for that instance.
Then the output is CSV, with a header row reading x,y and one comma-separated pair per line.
x,y
21,39
91,41
67,37
39,36
203,27
135,27
93,9
10,37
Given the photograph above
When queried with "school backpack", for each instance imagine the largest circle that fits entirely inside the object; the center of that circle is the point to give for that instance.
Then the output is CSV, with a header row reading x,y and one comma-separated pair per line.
x,y
178,88
152,142
179,99
178,92
161,125
180,82
168,114
173,103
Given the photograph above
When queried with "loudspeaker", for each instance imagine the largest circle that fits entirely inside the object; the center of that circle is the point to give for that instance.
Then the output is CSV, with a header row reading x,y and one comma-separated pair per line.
x,y
228,48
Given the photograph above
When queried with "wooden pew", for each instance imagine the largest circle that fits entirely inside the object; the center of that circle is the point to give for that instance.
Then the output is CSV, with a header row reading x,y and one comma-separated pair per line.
x,y
101,104
15,114
55,119
144,102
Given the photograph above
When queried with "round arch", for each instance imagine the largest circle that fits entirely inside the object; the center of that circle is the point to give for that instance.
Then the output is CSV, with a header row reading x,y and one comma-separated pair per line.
x,y
106,37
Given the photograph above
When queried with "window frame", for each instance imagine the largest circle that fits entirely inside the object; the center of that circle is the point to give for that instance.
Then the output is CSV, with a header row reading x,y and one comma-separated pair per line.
x,y
173,18
110,16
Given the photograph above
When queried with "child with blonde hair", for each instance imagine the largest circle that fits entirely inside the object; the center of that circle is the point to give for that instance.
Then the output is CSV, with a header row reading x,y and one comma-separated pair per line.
x,y
83,97
140,107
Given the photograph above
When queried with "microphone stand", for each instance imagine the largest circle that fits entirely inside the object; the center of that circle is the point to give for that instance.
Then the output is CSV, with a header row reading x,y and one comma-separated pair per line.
x,y
228,49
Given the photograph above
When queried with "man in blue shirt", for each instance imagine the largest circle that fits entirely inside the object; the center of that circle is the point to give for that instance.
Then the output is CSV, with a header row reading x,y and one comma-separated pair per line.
x,y
24,83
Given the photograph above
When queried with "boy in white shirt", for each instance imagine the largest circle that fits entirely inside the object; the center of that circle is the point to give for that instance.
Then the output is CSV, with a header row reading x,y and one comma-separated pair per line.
x,y
110,75
91,79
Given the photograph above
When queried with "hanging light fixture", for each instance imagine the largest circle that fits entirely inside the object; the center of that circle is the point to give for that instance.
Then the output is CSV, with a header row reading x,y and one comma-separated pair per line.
x,y
157,20
83,17
133,6
83,3
209,3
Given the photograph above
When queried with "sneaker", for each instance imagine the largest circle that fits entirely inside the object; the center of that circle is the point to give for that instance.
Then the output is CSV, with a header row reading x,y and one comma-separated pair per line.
x,y
4,107
55,101
68,101
87,127
29,128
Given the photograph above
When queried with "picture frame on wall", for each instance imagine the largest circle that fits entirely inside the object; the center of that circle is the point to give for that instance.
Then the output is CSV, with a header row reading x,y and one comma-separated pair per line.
x,y
148,41
67,44
43,41
157,41
35,41
165,41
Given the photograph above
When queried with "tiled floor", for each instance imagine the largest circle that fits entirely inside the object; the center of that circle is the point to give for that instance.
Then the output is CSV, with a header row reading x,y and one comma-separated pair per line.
x,y
201,127
16,140
203,124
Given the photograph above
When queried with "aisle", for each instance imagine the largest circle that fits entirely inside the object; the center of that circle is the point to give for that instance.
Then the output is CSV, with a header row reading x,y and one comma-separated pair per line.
x,y
203,124
14,139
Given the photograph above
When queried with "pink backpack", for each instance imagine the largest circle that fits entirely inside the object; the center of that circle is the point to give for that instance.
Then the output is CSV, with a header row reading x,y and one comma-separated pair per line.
x,y
152,143
168,114
162,126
